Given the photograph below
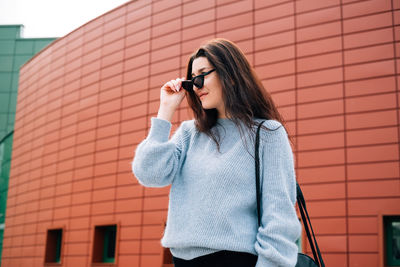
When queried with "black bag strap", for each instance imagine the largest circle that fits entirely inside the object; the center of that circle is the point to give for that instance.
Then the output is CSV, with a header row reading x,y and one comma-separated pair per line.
x,y
300,201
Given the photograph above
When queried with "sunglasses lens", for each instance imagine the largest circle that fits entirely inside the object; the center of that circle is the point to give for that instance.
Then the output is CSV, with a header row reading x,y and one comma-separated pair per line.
x,y
199,81
187,85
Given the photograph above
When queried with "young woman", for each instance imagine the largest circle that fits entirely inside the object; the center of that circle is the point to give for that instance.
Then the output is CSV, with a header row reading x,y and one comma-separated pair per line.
x,y
209,163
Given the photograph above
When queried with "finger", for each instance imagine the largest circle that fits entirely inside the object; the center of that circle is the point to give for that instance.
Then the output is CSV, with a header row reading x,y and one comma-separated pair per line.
x,y
169,87
176,84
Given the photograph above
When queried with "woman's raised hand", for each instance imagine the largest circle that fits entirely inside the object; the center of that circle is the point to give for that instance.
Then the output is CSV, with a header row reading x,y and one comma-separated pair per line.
x,y
171,97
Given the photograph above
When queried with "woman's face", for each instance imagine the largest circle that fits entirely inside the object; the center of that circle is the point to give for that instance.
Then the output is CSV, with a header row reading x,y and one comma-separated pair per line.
x,y
211,93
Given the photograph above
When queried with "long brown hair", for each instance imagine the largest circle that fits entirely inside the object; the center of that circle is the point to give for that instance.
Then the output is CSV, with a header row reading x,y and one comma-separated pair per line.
x,y
244,96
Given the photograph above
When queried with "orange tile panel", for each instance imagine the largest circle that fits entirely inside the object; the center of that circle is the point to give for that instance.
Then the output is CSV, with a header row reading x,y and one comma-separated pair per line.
x,y
136,50
369,103
363,225
318,16
74,236
304,6
189,44
366,70
134,87
373,136
151,247
275,26
368,22
134,125
276,69
80,211
319,31
79,223
93,52
371,86
137,10
129,190
363,243
114,59
274,40
155,203
129,247
164,4
278,84
100,195
331,243
84,172
138,25
324,191
81,198
128,205
150,259
372,119
236,21
321,158
284,98
320,77
274,12
115,23
372,153
164,65
195,6
195,19
364,259
81,185
364,8
102,210
274,55
238,34
288,113
154,217
325,108
234,8
320,141
367,38
330,226
373,53
105,181
382,188
152,231
320,93
382,170
328,60
137,37
374,206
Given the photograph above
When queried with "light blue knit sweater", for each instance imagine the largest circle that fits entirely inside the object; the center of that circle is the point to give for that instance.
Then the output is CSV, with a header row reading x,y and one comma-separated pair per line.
x,y
212,202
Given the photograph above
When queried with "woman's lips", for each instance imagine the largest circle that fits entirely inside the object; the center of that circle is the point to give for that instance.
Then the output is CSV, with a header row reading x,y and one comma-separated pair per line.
x,y
201,96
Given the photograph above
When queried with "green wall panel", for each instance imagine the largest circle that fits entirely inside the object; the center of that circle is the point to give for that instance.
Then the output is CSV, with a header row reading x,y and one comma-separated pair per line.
x,y
24,47
5,81
6,63
7,47
10,32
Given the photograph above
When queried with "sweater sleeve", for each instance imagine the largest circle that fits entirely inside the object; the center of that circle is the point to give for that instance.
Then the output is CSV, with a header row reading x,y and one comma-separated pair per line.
x,y
158,159
280,227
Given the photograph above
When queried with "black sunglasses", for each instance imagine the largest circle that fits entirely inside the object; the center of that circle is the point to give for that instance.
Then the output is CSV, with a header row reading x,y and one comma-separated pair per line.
x,y
197,81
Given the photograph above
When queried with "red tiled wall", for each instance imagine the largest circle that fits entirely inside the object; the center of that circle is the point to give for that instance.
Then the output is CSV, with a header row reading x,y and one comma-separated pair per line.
x,y
85,103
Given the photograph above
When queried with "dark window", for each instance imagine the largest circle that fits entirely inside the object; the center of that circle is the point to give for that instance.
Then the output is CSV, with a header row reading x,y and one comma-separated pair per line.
x,y
104,243
53,246
392,240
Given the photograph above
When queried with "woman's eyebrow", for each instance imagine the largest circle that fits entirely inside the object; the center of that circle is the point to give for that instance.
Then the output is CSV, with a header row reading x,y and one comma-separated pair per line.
x,y
199,70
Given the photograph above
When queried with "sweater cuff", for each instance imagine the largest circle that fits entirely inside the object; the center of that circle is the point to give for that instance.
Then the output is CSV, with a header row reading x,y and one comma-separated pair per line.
x,y
262,262
159,130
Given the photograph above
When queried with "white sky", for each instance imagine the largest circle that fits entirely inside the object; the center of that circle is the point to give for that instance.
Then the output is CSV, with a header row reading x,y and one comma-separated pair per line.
x,y
52,18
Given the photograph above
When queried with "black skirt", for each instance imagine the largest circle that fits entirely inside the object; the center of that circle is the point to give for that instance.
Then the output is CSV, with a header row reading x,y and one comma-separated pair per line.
x,y
222,258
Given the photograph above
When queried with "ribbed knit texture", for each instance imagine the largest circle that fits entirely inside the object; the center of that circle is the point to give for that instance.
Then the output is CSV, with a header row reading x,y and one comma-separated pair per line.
x,y
212,203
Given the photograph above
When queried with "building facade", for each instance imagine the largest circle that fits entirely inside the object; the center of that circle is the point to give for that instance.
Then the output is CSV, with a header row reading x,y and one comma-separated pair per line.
x,y
85,102
14,52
